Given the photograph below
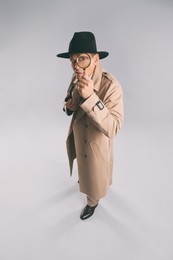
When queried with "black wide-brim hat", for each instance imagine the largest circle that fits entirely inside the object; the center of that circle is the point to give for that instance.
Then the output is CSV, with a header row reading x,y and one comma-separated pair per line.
x,y
83,42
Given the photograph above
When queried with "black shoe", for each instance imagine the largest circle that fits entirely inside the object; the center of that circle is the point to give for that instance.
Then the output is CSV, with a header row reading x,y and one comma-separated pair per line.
x,y
87,212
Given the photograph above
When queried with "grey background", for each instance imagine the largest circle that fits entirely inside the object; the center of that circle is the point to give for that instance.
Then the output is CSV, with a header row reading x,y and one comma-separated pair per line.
x,y
40,204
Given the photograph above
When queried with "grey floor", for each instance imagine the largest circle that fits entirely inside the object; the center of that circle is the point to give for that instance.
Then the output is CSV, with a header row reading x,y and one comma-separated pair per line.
x,y
40,204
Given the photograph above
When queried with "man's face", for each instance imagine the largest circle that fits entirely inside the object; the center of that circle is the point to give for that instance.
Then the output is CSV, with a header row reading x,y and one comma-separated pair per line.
x,y
75,61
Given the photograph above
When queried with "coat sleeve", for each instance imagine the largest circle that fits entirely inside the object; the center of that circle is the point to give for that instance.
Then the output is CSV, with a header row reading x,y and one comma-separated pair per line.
x,y
106,112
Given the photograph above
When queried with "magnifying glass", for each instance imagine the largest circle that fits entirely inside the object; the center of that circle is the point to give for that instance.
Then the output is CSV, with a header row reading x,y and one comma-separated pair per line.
x,y
83,61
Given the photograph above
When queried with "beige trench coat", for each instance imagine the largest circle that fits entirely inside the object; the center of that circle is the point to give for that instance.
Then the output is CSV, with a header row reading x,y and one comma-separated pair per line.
x,y
90,139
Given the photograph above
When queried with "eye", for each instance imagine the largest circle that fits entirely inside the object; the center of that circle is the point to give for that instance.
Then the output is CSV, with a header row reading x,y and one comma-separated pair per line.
x,y
82,58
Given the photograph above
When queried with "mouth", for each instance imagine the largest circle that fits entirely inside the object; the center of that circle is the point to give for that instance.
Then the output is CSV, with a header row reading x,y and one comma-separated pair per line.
x,y
78,72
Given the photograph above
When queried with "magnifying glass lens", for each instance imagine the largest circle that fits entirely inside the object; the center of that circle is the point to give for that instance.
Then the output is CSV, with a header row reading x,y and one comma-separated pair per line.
x,y
84,61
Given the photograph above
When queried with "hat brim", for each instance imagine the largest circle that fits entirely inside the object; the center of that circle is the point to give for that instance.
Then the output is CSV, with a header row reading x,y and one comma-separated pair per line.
x,y
66,55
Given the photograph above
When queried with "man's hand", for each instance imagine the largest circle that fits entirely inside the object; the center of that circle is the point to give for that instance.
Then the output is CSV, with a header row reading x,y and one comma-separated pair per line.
x,y
85,86
73,102
70,104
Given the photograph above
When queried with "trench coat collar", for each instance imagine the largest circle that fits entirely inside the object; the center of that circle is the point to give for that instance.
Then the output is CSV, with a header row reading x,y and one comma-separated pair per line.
x,y
97,76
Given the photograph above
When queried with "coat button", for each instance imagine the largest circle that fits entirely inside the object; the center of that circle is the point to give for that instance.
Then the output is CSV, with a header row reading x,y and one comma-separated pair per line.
x,y
85,155
85,141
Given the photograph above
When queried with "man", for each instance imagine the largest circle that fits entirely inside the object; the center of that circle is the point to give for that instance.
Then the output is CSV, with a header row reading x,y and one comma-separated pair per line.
x,y
95,99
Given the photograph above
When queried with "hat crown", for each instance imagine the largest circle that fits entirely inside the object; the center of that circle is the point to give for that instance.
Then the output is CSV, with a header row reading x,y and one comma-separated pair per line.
x,y
83,42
